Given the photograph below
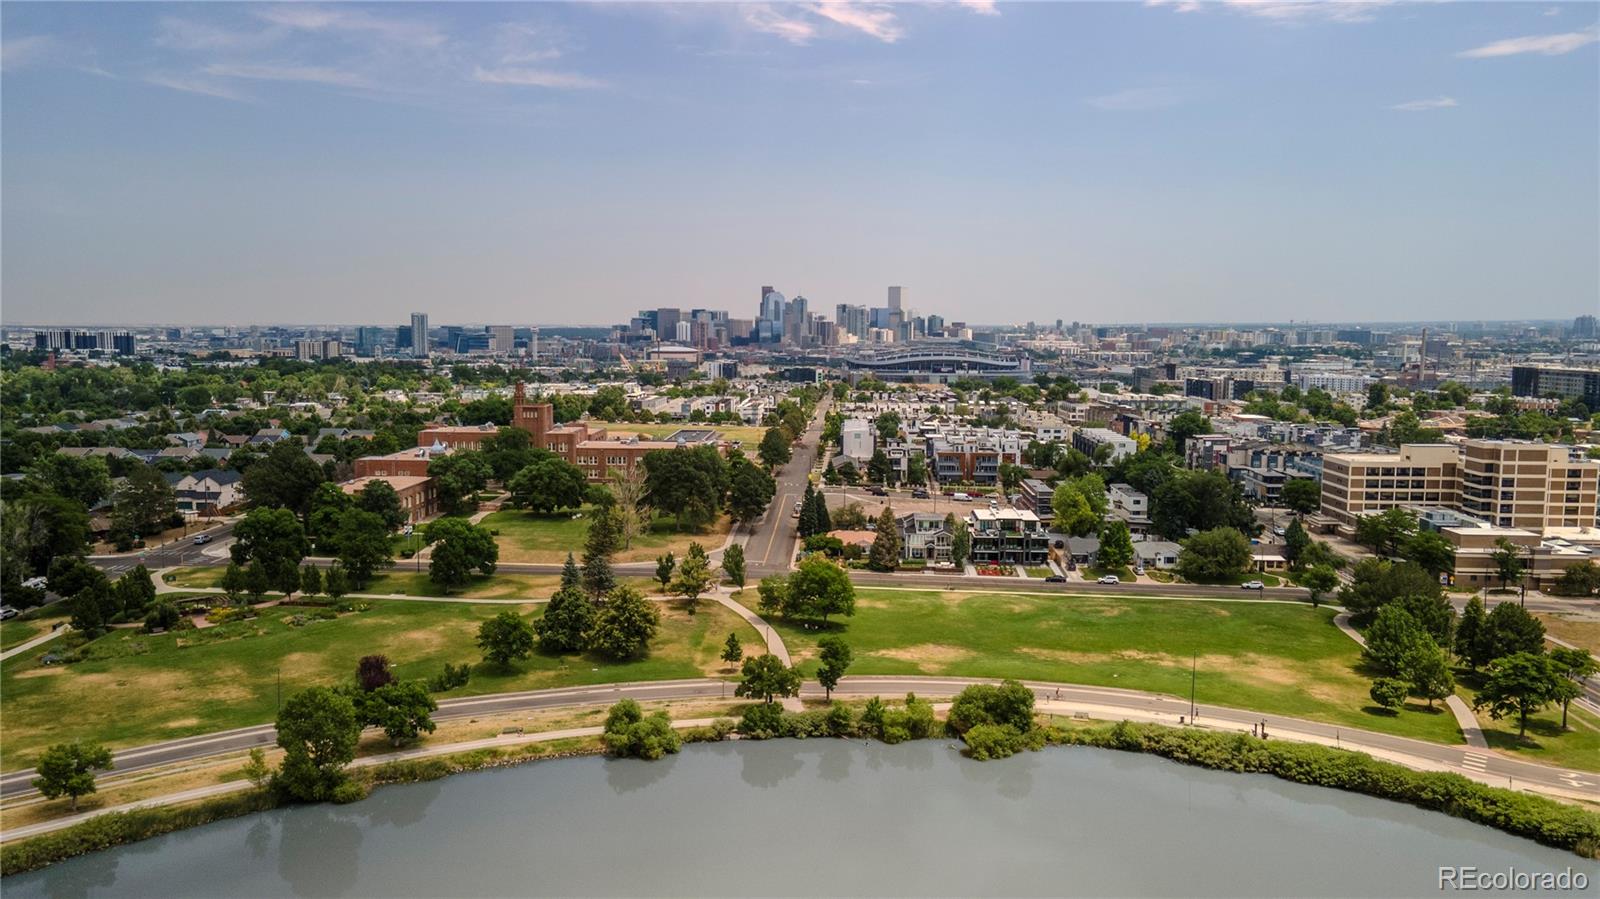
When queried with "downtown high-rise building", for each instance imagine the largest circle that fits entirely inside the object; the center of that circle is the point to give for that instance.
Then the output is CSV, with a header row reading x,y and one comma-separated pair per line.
x,y
852,320
419,335
897,297
769,327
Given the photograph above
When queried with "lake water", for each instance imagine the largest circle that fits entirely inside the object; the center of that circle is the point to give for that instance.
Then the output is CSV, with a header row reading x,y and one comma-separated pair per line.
x,y
818,817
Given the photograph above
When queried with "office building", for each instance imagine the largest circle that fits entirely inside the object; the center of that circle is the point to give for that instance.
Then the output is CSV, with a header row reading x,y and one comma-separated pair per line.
x,y
502,338
1564,382
419,334
897,296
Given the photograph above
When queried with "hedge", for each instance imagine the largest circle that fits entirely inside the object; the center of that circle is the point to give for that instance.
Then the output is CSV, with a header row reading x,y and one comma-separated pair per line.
x,y
1537,818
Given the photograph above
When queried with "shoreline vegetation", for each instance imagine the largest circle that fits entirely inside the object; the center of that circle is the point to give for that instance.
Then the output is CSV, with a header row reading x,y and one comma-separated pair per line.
x,y
1547,821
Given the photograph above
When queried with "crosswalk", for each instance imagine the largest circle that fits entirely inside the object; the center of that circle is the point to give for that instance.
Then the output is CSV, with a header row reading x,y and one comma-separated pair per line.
x,y
1474,762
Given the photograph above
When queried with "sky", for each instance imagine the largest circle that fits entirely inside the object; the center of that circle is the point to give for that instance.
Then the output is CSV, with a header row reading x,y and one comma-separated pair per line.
x,y
548,163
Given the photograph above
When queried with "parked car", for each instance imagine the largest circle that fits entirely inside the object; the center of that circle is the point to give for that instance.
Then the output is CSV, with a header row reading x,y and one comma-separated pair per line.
x,y
1109,579
919,493
1252,585
876,490
201,539
37,583
7,613
961,497
1055,579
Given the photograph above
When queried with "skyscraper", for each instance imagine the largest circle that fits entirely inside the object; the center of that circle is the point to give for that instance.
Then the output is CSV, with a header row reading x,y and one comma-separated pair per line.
x,y
419,335
897,296
769,328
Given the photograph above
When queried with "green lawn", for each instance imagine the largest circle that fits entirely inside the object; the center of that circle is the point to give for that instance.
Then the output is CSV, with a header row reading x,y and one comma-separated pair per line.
x,y
1545,741
1287,659
531,537
1039,571
22,629
749,435
138,689
405,580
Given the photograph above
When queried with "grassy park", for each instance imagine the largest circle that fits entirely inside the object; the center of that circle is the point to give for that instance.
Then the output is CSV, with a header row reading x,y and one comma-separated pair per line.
x,y
135,688
1285,658
532,537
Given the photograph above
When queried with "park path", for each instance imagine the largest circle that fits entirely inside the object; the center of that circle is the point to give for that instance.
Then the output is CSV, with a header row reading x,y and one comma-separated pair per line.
x,y
234,786
21,648
1465,719
774,642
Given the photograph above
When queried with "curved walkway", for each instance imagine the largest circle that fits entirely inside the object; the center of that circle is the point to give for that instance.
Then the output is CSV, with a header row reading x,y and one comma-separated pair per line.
x,y
21,648
1471,731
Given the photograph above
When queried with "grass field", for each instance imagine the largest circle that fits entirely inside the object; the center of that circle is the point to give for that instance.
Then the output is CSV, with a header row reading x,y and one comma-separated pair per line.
x,y
1274,657
21,630
529,537
405,580
138,689
746,434
1545,742
1578,630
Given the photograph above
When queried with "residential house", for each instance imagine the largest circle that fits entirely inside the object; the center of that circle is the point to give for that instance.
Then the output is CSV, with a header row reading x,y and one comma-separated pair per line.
x,y
1007,536
207,493
923,535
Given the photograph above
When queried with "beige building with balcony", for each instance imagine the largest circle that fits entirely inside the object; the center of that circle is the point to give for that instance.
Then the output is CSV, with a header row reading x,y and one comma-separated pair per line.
x,y
1359,484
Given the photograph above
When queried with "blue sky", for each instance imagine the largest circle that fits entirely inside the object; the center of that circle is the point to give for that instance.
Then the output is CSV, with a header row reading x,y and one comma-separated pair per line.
x,y
553,163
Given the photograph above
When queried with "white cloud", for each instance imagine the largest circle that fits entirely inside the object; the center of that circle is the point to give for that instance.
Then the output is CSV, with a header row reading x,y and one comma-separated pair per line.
x,y
195,86
874,20
175,33
1426,105
523,77
517,43
346,20
763,18
302,74
1543,44
981,7
1136,99
19,53
1288,11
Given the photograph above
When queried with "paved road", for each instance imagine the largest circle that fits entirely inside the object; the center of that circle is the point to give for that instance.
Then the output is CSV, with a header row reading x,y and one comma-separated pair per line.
x,y
177,553
1061,699
769,548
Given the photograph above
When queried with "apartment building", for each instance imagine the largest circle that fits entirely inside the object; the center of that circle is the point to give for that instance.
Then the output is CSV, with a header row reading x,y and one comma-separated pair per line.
x,y
974,455
1507,483
1007,536
1089,440
856,436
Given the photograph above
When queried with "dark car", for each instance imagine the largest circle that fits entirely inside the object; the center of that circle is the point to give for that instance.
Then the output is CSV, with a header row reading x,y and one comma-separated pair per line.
x,y
919,493
1055,579
875,490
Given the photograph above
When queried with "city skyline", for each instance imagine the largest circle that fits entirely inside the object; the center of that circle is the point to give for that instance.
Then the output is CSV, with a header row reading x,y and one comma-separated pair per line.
x,y
571,164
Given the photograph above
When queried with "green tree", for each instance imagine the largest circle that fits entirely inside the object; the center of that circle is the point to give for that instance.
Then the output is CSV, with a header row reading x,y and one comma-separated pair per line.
x,y
694,576
335,582
765,676
1428,673
143,504
885,553
1574,666
457,479
1375,583
1215,556
1392,638
285,478
960,540
256,770
379,498
1507,558
835,660
318,729
1008,705
630,733
310,580
733,565
1509,629
67,769
1073,513
234,583
1469,639
1430,551
625,625
403,710
664,568
567,621
505,638
273,540
807,524
547,484
362,546
818,588
1386,531
83,479
1519,684
775,449
750,490
774,594
1295,541
39,528
1579,579
326,509
599,545
692,482
459,548
732,651
879,471
1389,693
1319,580
1302,496
1185,425
1116,545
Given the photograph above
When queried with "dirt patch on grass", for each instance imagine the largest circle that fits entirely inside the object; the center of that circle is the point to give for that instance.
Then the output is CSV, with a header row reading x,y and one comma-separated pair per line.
x,y
182,722
42,671
928,656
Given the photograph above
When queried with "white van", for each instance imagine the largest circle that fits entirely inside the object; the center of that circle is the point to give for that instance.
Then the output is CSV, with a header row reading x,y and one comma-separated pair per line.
x,y
961,497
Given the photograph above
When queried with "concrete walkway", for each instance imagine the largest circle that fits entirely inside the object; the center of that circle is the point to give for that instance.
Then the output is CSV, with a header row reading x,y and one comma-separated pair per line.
x,y
1465,719
234,786
774,642
21,648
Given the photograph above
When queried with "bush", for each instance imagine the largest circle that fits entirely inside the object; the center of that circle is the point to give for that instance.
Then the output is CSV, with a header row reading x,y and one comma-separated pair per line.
x,y
1534,817
762,721
453,676
1009,704
841,721
349,791
992,741
162,616
630,733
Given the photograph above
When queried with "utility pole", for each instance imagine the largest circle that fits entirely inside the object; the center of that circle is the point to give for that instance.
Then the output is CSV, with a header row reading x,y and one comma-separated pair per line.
x,y
1194,664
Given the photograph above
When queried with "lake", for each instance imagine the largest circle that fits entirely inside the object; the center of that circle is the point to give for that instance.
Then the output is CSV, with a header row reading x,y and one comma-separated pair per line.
x,y
818,817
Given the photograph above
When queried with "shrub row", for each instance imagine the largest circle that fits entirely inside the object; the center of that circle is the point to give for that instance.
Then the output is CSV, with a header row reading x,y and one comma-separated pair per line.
x,y
891,724
1537,818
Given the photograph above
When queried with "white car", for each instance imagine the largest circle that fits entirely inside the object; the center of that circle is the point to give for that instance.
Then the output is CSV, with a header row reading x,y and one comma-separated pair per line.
x,y
36,583
7,613
1109,579
1252,585
202,539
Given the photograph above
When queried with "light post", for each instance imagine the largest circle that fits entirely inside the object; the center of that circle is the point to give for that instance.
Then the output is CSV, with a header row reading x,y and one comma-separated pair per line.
x,y
1194,664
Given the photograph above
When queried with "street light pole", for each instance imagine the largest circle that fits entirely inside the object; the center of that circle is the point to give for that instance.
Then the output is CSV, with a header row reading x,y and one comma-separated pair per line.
x,y
1194,664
